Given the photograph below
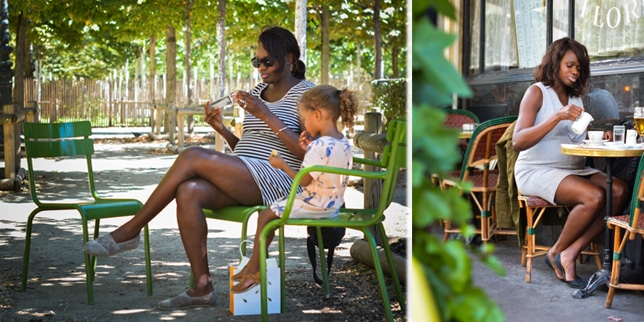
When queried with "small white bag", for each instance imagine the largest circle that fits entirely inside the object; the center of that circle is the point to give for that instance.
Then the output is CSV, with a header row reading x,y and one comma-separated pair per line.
x,y
248,303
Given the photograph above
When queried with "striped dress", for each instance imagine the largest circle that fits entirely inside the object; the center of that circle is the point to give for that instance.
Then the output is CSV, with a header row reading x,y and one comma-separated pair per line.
x,y
258,140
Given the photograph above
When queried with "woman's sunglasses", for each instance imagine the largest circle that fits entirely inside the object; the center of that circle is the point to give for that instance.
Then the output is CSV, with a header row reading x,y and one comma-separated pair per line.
x,y
267,61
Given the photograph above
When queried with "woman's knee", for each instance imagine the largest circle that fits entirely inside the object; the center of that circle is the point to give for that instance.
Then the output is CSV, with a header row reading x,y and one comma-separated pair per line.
x,y
189,192
620,190
594,197
192,154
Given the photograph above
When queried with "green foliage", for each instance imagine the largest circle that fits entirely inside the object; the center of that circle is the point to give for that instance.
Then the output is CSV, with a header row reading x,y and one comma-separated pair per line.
x,y
80,38
446,266
391,96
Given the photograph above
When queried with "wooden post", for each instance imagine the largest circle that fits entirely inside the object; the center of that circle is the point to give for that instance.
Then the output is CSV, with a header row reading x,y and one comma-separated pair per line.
x,y
32,112
11,148
372,188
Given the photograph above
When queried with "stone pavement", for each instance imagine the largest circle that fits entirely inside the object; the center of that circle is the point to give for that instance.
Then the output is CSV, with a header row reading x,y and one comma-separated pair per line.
x,y
546,298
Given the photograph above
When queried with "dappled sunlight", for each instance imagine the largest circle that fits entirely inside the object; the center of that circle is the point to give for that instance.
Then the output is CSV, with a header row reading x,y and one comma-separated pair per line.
x,y
129,311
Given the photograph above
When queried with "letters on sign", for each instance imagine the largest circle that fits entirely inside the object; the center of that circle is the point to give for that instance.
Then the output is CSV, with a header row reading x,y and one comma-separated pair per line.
x,y
613,16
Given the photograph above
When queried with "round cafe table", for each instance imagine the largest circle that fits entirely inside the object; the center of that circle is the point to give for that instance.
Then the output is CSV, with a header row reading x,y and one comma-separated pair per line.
x,y
465,135
608,152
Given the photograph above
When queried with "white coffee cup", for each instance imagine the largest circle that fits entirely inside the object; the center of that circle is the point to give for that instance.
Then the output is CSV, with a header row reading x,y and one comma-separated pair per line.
x,y
631,137
581,123
595,136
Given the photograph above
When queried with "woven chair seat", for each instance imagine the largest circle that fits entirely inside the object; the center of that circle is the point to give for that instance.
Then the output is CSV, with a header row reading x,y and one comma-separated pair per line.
x,y
624,222
535,202
478,182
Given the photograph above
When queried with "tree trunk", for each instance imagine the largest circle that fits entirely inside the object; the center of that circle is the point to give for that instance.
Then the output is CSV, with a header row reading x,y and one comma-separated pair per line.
x,y
191,118
221,45
300,27
324,68
377,40
156,117
394,61
171,78
21,52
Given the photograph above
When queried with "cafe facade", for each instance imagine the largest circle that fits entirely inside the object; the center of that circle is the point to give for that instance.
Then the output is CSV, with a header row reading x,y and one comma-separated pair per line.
x,y
502,41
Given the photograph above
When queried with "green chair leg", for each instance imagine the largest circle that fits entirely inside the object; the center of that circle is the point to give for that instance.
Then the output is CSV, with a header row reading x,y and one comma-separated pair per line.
x,y
25,258
323,264
148,265
282,260
262,274
379,273
392,268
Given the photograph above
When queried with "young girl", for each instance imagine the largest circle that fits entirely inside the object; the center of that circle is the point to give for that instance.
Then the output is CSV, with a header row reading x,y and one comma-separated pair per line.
x,y
323,193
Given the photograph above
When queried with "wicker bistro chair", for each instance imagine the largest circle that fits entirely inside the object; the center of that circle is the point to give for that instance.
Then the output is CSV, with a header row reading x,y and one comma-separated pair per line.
x,y
456,118
632,224
535,209
478,168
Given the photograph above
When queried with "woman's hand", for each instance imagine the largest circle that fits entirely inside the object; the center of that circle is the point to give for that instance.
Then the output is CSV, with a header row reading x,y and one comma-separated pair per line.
x,y
214,117
569,112
250,104
304,140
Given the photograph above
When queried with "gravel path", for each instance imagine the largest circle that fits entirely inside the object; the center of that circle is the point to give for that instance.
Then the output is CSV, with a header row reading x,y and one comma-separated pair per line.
x,y
132,168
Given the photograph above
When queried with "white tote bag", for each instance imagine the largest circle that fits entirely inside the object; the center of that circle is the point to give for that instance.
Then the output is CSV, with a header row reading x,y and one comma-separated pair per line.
x,y
248,303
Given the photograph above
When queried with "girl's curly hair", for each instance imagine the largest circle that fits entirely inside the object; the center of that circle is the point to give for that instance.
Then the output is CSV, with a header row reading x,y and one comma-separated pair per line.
x,y
340,103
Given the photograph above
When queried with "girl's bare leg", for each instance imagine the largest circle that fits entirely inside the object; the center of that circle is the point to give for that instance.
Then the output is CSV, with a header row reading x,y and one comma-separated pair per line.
x,y
252,267
225,172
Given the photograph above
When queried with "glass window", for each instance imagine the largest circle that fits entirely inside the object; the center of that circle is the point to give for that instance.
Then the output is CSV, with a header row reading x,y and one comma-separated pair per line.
x,y
500,48
610,29
530,28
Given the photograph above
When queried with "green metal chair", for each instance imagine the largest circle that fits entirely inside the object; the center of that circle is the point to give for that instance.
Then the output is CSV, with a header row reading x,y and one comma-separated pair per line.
x,y
392,159
65,140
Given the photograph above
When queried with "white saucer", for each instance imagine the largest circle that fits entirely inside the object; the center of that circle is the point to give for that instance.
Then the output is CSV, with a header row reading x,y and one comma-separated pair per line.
x,y
595,143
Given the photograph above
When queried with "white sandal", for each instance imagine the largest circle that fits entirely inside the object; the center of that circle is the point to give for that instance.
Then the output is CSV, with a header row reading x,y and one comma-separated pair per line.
x,y
106,246
184,301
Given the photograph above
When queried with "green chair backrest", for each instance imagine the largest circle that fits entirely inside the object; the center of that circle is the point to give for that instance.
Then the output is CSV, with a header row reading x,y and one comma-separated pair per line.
x,y
394,157
50,140
635,199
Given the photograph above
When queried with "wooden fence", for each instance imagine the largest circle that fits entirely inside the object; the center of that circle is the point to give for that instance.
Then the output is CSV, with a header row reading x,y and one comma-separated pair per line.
x,y
120,102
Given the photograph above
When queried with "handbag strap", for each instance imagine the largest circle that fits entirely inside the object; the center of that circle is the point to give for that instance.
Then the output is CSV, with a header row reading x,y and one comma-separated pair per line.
x,y
246,241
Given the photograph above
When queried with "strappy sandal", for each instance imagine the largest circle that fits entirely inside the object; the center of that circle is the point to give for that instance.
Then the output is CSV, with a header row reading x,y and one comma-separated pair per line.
x,y
238,288
239,276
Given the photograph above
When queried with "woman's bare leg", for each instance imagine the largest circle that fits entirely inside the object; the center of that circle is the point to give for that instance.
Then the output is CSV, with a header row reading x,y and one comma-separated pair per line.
x,y
192,196
226,172
586,220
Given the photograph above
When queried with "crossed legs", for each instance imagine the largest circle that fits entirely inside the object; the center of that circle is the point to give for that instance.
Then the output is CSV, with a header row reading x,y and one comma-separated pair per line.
x,y
586,219
199,178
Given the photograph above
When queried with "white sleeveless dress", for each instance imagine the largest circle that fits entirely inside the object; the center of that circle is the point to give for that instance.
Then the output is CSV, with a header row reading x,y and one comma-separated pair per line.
x,y
540,169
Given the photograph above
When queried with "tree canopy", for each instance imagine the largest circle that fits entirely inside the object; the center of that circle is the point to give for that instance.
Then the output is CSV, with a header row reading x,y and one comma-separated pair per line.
x,y
92,38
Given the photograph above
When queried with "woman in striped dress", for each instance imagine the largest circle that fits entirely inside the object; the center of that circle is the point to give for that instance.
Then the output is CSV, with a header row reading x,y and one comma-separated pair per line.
x,y
203,178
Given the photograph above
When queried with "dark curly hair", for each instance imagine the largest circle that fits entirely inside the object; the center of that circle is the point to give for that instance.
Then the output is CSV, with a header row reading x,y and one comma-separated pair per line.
x,y
280,42
342,104
549,69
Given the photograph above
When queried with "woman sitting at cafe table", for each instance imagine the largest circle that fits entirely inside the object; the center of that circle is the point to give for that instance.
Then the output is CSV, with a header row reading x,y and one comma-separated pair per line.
x,y
546,114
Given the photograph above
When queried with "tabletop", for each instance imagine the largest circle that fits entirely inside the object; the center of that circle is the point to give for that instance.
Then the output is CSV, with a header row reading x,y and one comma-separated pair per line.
x,y
605,151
